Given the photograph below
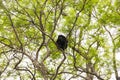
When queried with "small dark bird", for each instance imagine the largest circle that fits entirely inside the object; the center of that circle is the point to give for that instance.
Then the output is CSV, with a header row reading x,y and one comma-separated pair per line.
x,y
62,42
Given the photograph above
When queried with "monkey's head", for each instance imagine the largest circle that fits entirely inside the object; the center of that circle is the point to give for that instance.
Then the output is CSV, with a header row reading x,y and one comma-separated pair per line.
x,y
61,37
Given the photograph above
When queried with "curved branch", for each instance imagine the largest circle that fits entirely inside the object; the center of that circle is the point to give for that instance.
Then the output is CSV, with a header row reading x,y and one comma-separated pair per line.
x,y
54,77
77,15
114,55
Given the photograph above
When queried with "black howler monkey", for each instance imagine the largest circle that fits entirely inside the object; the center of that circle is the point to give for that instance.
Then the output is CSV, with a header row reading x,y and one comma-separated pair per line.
x,y
62,42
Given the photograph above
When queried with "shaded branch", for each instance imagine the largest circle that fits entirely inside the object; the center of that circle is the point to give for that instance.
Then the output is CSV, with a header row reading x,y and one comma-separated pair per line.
x,y
76,18
114,54
57,70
